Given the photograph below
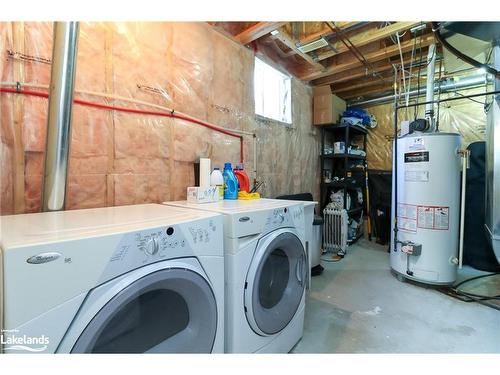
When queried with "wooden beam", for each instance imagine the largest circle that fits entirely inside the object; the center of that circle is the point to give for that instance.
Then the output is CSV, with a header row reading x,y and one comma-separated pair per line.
x,y
382,54
257,31
361,93
325,32
291,43
18,166
369,82
359,72
366,38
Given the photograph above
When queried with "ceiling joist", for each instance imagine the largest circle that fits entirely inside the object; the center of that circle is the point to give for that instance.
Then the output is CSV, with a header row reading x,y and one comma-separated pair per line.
x,y
373,36
257,31
382,54
291,43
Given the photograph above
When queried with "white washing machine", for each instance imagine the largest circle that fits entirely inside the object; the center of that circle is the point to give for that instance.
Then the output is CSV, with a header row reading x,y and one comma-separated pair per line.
x,y
266,270
130,279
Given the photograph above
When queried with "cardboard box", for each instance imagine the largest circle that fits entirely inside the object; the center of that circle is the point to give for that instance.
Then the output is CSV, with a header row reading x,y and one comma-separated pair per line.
x,y
197,194
327,107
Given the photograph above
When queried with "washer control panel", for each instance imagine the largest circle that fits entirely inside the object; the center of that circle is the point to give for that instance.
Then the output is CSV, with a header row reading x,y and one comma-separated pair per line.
x,y
285,217
146,246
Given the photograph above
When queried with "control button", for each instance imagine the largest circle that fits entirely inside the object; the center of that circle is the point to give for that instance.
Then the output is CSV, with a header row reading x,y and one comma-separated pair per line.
x,y
152,246
183,243
281,218
170,231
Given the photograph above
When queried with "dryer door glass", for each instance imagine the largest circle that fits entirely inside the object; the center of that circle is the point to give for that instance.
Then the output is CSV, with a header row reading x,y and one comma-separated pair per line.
x,y
168,311
278,283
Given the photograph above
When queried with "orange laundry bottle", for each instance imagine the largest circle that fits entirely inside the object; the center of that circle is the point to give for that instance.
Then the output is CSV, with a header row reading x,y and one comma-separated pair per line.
x,y
243,180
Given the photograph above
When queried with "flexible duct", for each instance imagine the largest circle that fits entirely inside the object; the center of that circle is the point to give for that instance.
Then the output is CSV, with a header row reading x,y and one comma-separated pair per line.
x,y
464,83
61,87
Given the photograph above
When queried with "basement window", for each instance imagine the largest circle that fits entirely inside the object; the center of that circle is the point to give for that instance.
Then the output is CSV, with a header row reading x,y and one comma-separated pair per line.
x,y
272,93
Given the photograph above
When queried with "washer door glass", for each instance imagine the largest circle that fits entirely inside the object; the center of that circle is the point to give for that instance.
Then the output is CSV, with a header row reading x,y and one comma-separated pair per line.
x,y
278,283
168,311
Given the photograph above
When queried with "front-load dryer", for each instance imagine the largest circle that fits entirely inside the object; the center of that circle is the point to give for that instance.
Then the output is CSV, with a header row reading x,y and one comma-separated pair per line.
x,y
130,279
266,270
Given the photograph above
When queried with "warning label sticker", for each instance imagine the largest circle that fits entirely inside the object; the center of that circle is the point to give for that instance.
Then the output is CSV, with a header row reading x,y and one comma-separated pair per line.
x,y
441,218
425,217
408,225
433,217
407,217
407,211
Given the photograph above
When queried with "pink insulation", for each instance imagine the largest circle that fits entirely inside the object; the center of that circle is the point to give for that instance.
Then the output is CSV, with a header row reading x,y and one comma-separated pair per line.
x,y
121,158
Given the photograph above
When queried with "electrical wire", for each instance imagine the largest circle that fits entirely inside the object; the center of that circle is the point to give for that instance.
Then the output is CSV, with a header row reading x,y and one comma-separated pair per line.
x,y
478,297
171,114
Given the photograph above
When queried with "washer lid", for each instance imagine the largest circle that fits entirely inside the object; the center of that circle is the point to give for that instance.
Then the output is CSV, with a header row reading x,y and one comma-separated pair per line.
x,y
275,282
230,207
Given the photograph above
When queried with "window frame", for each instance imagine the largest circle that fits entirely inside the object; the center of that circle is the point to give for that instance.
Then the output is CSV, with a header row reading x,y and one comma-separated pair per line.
x,y
286,77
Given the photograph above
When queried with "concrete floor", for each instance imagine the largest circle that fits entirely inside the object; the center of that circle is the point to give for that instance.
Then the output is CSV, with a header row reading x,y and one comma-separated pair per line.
x,y
358,306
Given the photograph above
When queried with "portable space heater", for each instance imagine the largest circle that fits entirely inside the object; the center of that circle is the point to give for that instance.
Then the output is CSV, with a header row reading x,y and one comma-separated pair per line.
x,y
335,230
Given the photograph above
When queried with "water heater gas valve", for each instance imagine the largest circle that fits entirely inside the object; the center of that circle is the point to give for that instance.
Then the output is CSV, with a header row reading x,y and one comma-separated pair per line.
x,y
411,248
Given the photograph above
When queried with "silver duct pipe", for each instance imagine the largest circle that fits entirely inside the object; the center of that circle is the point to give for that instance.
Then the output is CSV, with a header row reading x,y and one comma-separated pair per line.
x,y
464,83
61,87
429,93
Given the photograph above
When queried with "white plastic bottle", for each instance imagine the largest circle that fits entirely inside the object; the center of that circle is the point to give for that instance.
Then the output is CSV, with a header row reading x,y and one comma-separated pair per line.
x,y
217,180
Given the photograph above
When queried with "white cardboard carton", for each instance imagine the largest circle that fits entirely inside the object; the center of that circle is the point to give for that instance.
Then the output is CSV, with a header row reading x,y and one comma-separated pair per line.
x,y
197,194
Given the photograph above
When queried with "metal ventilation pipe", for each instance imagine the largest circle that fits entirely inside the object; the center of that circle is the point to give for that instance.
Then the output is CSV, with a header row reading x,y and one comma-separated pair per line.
x,y
61,88
429,96
464,83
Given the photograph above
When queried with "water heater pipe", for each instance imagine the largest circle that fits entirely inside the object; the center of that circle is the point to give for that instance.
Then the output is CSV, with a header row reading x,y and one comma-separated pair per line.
x,y
62,80
464,83
429,92
465,164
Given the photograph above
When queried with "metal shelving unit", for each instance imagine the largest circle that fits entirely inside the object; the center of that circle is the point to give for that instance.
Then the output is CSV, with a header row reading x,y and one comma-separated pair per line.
x,y
339,166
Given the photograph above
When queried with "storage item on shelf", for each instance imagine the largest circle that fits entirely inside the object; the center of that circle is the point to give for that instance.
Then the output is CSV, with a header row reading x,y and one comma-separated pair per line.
x,y
327,106
216,179
337,200
230,182
339,148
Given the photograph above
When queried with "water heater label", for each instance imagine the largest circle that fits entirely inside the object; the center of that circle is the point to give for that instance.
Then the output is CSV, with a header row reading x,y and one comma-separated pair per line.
x,y
417,176
416,157
433,217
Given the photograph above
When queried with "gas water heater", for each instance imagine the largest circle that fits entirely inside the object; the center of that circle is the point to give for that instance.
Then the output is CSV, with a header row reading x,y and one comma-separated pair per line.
x,y
426,207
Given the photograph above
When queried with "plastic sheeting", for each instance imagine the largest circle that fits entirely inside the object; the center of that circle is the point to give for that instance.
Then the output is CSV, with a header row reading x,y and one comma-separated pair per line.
x,y
120,158
465,117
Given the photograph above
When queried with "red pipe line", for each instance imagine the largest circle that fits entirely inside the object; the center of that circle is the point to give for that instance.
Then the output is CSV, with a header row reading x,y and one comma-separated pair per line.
x,y
135,111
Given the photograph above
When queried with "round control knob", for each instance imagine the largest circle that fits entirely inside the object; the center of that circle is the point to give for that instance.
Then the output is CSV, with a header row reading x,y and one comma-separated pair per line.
x,y
152,246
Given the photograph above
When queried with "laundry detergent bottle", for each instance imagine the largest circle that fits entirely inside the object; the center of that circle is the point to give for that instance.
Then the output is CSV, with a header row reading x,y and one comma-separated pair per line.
x,y
230,182
217,180
243,180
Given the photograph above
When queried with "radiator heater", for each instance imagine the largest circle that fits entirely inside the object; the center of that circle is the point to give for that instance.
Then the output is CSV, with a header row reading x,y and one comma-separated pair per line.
x,y
335,230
